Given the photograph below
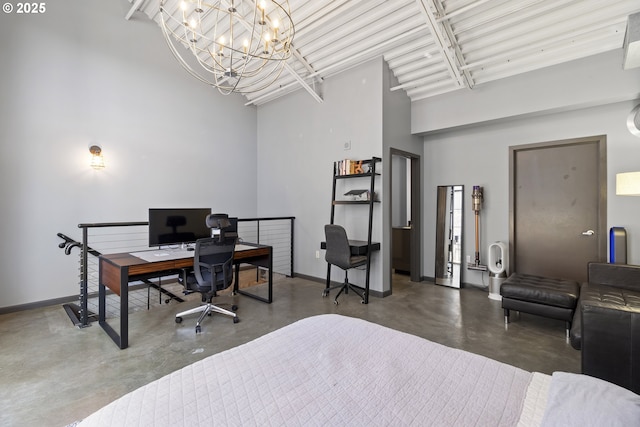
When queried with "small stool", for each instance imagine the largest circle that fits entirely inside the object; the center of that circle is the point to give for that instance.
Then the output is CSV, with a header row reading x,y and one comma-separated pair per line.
x,y
542,296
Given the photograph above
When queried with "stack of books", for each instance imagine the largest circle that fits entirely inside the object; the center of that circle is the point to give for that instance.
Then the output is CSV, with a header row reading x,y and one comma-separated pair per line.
x,y
348,167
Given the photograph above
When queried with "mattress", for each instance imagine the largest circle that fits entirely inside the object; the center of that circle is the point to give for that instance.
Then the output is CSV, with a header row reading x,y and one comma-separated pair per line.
x,y
335,370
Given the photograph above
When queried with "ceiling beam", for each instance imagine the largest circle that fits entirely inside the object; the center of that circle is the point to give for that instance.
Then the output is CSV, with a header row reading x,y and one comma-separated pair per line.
x,y
445,17
134,9
293,72
351,60
442,40
446,25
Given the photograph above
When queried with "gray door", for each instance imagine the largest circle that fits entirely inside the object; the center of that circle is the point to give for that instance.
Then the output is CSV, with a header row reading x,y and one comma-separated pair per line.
x,y
558,207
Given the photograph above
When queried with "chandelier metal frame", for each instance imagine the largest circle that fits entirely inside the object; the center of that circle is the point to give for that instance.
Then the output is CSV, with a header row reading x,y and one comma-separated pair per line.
x,y
237,45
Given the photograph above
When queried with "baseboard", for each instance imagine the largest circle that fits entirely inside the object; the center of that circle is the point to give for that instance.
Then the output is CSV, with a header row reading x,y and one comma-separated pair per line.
x,y
38,304
70,299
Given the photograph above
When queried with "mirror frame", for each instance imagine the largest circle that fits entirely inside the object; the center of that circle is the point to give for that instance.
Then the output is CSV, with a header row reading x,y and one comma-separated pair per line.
x,y
447,249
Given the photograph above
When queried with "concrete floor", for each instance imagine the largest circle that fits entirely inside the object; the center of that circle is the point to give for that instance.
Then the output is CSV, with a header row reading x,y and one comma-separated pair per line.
x,y
52,373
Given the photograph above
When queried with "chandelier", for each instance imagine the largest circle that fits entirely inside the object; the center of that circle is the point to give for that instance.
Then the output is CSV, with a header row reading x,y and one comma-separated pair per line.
x,y
237,45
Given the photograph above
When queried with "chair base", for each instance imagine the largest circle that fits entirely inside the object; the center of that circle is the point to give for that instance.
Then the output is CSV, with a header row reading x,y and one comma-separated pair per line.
x,y
344,287
206,310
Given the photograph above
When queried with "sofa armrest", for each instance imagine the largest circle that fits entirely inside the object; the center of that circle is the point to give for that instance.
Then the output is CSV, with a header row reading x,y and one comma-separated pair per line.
x,y
618,275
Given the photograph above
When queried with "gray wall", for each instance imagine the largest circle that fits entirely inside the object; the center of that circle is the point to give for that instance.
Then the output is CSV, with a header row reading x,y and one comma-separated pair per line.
x,y
298,141
81,74
546,105
396,135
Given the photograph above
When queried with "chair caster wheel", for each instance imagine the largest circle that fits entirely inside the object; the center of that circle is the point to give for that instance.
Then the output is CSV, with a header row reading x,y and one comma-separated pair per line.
x,y
361,301
234,308
325,294
167,301
198,329
335,302
178,319
236,320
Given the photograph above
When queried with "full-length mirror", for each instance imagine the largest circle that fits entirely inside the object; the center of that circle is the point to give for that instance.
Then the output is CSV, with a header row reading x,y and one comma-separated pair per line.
x,y
449,235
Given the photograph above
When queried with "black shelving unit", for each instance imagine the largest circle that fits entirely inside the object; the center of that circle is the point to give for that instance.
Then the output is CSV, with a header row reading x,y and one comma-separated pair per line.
x,y
371,174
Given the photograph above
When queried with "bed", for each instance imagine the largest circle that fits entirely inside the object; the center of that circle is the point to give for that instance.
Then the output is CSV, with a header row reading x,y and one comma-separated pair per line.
x,y
336,370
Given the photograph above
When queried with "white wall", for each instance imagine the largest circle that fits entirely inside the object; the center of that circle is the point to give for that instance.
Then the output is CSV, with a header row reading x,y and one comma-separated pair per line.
x,y
583,83
298,141
81,74
477,154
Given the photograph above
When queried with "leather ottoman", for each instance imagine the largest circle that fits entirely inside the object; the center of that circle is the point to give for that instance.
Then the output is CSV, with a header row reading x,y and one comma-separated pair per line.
x,y
542,296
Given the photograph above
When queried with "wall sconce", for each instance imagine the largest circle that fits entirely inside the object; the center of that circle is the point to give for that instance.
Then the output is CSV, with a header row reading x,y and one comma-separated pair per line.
x,y
628,184
97,160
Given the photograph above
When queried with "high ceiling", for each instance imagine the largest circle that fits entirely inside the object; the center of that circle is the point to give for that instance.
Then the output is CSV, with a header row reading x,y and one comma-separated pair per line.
x,y
437,46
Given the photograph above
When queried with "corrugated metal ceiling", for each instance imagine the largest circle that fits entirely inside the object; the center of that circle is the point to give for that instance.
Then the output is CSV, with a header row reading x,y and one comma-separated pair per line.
x,y
438,46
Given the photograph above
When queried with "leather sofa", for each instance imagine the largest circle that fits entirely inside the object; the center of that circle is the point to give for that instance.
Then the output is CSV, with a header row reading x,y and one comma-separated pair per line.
x,y
606,324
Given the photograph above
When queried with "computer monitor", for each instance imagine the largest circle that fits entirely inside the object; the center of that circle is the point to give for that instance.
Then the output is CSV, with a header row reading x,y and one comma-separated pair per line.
x,y
177,226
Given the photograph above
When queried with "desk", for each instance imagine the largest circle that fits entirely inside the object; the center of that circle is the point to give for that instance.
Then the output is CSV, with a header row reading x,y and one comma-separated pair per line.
x,y
117,270
357,247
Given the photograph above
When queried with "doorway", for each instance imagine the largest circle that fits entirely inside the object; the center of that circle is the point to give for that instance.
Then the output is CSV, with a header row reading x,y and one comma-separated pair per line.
x,y
406,214
558,207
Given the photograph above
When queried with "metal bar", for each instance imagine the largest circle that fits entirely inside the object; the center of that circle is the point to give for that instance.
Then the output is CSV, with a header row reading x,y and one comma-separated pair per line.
x,y
170,294
333,209
84,281
442,41
353,58
374,160
266,218
124,308
112,224
258,242
133,9
291,248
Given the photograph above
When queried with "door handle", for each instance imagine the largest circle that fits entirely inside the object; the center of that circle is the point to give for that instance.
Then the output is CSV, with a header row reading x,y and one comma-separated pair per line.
x,y
588,233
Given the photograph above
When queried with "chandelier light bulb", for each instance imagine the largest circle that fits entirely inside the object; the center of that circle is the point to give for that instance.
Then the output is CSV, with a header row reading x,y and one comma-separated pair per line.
x,y
245,46
262,7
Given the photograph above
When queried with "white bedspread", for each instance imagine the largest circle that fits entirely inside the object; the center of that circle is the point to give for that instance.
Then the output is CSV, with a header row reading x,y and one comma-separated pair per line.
x,y
329,370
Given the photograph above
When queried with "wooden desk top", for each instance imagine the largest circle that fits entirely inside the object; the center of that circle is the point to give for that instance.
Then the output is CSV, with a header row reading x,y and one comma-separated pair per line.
x,y
112,264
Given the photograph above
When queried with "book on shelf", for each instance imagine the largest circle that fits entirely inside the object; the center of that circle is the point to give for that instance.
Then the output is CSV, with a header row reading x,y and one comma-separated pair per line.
x,y
349,167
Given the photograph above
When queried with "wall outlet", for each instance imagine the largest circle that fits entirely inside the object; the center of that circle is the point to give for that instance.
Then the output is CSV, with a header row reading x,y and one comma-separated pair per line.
x,y
468,259
347,145
317,254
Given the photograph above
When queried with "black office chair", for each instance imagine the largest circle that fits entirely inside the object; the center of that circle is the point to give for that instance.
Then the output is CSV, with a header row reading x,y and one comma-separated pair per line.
x,y
339,254
212,272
